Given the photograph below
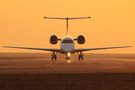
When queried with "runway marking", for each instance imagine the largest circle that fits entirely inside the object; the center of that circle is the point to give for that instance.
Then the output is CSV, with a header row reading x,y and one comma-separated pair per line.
x,y
56,62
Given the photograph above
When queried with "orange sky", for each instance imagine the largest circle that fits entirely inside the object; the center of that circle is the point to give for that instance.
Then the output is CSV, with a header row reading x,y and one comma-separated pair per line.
x,y
112,23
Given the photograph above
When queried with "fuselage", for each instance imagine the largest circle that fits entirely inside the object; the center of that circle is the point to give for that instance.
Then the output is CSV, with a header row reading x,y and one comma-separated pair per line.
x,y
67,45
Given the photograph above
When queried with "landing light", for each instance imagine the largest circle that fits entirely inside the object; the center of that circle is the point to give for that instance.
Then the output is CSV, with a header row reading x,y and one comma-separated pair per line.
x,y
68,54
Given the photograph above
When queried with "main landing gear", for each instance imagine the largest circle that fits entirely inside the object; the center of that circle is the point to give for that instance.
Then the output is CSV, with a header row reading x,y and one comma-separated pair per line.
x,y
80,56
54,56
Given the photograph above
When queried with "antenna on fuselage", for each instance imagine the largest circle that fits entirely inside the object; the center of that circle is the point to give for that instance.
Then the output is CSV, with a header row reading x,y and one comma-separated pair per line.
x,y
67,20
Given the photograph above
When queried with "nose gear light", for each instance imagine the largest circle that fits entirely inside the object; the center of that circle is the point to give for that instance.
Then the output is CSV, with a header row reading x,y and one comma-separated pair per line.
x,y
68,54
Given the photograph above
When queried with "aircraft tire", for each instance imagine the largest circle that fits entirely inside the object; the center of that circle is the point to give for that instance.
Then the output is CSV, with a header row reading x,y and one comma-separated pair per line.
x,y
79,57
55,57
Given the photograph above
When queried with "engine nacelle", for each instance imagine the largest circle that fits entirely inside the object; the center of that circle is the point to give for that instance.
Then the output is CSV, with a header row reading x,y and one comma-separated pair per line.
x,y
81,39
53,39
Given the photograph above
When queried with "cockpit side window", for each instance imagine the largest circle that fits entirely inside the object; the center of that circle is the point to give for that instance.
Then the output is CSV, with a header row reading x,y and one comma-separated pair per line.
x,y
70,41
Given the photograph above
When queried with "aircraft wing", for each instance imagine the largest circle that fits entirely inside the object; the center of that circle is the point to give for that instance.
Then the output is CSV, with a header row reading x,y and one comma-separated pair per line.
x,y
88,49
44,49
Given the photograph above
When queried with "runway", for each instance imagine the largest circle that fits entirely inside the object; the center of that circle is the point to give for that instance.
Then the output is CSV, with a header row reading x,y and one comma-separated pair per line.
x,y
41,63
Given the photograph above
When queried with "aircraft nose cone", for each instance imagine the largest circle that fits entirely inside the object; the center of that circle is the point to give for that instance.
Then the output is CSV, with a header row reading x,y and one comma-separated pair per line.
x,y
67,47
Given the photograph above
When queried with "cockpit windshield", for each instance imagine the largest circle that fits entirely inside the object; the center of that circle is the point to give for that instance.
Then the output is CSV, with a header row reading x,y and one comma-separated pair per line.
x,y
67,41
64,41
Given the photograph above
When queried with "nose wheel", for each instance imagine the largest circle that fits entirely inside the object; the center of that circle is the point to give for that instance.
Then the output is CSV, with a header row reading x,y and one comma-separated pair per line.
x,y
67,58
54,56
80,56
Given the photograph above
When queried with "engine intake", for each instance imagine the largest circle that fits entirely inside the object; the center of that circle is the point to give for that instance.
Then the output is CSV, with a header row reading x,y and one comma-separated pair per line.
x,y
53,39
81,39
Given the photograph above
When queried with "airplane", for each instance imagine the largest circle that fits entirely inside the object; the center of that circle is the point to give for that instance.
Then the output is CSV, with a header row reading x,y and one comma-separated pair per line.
x,y
67,44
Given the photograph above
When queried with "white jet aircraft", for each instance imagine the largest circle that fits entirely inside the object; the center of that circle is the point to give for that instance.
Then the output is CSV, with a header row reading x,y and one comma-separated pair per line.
x,y
67,45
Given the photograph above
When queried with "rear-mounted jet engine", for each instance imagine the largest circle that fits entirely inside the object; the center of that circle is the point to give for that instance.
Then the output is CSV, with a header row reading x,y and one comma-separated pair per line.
x,y
54,39
81,39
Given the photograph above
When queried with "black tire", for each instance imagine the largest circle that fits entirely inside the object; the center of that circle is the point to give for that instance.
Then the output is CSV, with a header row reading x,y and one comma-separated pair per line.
x,y
55,57
79,57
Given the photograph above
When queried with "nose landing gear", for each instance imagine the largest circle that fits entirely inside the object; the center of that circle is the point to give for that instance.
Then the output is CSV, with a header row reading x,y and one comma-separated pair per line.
x,y
67,58
54,56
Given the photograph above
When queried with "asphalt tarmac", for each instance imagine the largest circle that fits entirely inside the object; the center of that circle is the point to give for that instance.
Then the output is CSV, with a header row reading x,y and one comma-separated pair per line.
x,y
41,63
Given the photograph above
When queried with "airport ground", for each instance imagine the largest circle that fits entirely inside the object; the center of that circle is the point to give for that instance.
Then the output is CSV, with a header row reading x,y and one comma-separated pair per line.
x,y
23,71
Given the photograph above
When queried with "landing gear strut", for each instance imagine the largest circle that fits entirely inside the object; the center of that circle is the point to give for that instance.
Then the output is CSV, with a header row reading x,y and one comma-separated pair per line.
x,y
54,56
80,56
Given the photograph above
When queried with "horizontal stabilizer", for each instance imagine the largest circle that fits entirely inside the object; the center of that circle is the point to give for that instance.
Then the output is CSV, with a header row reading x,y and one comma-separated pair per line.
x,y
67,18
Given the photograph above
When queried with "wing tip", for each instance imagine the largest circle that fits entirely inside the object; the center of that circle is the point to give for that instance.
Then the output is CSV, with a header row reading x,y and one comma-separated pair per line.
x,y
129,46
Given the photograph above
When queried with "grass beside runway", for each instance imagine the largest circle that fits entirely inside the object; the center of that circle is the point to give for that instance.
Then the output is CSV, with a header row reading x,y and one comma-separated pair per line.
x,y
69,81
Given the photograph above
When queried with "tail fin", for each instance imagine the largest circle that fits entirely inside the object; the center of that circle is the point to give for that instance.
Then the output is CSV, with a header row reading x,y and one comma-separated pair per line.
x,y
67,20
